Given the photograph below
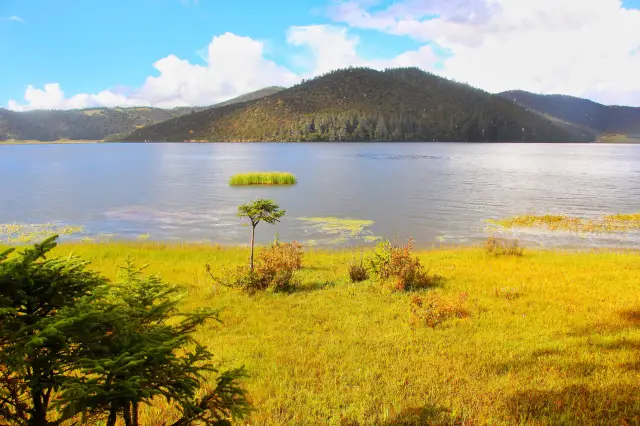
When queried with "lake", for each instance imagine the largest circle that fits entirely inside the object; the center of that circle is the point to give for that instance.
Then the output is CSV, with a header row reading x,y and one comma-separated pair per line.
x,y
437,193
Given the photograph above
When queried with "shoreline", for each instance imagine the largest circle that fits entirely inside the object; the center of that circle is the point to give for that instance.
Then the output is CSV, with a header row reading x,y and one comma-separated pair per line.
x,y
83,142
56,142
173,245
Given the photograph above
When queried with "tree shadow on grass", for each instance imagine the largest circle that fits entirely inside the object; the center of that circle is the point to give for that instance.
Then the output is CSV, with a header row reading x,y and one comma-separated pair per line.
x,y
308,287
630,320
576,405
317,268
429,415
585,404
632,317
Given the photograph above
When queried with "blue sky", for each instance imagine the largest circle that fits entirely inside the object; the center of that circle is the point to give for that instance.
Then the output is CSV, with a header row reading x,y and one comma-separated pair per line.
x,y
85,47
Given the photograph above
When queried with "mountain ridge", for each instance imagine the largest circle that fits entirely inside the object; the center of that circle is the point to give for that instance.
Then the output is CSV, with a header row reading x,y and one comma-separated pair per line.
x,y
362,104
597,118
100,123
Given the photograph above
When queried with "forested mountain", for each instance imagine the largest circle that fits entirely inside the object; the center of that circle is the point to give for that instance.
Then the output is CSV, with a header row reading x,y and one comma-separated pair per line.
x,y
362,104
597,118
95,123
83,124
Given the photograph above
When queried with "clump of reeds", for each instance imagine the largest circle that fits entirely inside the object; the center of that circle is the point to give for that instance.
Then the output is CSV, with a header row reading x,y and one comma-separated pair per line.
x,y
500,246
263,178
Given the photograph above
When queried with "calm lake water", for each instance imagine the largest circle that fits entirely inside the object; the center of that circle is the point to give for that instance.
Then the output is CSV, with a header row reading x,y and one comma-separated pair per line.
x,y
438,193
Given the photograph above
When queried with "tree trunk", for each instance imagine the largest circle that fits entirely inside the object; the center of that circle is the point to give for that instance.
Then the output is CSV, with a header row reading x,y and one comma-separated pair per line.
x,y
113,415
127,414
253,237
135,414
39,413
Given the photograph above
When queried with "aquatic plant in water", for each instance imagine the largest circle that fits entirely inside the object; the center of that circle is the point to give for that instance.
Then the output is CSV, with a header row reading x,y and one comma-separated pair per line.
x,y
613,223
340,230
263,178
13,233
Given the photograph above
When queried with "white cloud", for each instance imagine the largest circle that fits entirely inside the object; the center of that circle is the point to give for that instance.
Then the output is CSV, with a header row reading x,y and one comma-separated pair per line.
x,y
235,65
586,48
332,47
13,19
589,49
52,97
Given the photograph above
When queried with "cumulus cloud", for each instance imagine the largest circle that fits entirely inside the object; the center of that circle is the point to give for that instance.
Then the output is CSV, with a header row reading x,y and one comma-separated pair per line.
x,y
589,49
52,97
234,65
332,47
585,48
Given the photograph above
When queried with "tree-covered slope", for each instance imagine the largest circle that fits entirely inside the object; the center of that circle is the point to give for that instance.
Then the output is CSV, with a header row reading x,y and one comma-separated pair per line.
x,y
600,119
96,123
251,96
87,124
364,104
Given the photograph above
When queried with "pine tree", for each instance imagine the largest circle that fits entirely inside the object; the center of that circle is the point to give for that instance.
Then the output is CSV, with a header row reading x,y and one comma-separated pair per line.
x,y
73,341
33,290
145,354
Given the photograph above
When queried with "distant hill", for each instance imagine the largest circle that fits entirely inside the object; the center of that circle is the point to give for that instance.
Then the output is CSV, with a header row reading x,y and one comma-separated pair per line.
x,y
361,104
582,113
83,124
96,123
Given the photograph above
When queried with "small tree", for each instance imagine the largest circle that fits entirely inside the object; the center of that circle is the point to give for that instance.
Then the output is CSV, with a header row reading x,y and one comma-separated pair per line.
x,y
257,211
146,352
33,290
73,341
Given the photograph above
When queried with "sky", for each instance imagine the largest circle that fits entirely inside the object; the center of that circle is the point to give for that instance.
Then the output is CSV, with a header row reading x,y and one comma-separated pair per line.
x,y
64,54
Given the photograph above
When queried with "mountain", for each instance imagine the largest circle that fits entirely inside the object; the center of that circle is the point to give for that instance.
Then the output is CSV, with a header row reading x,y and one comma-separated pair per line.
x,y
82,124
251,96
362,104
581,113
96,123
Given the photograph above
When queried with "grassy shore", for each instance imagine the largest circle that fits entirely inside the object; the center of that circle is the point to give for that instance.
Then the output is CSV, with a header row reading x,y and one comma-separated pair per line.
x,y
553,338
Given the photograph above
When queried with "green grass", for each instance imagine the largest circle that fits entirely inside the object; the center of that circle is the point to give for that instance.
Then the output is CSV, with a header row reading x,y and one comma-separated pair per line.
x,y
553,337
263,178
618,138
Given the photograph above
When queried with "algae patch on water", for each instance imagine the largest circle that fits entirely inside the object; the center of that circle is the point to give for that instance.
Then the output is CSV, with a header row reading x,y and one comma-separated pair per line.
x,y
614,223
338,230
12,233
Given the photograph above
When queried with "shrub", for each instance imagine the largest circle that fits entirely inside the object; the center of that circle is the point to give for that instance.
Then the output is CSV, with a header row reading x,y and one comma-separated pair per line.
x,y
275,268
500,246
357,271
396,264
432,309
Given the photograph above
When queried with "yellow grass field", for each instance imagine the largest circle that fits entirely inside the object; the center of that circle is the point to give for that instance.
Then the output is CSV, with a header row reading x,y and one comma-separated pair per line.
x,y
553,338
